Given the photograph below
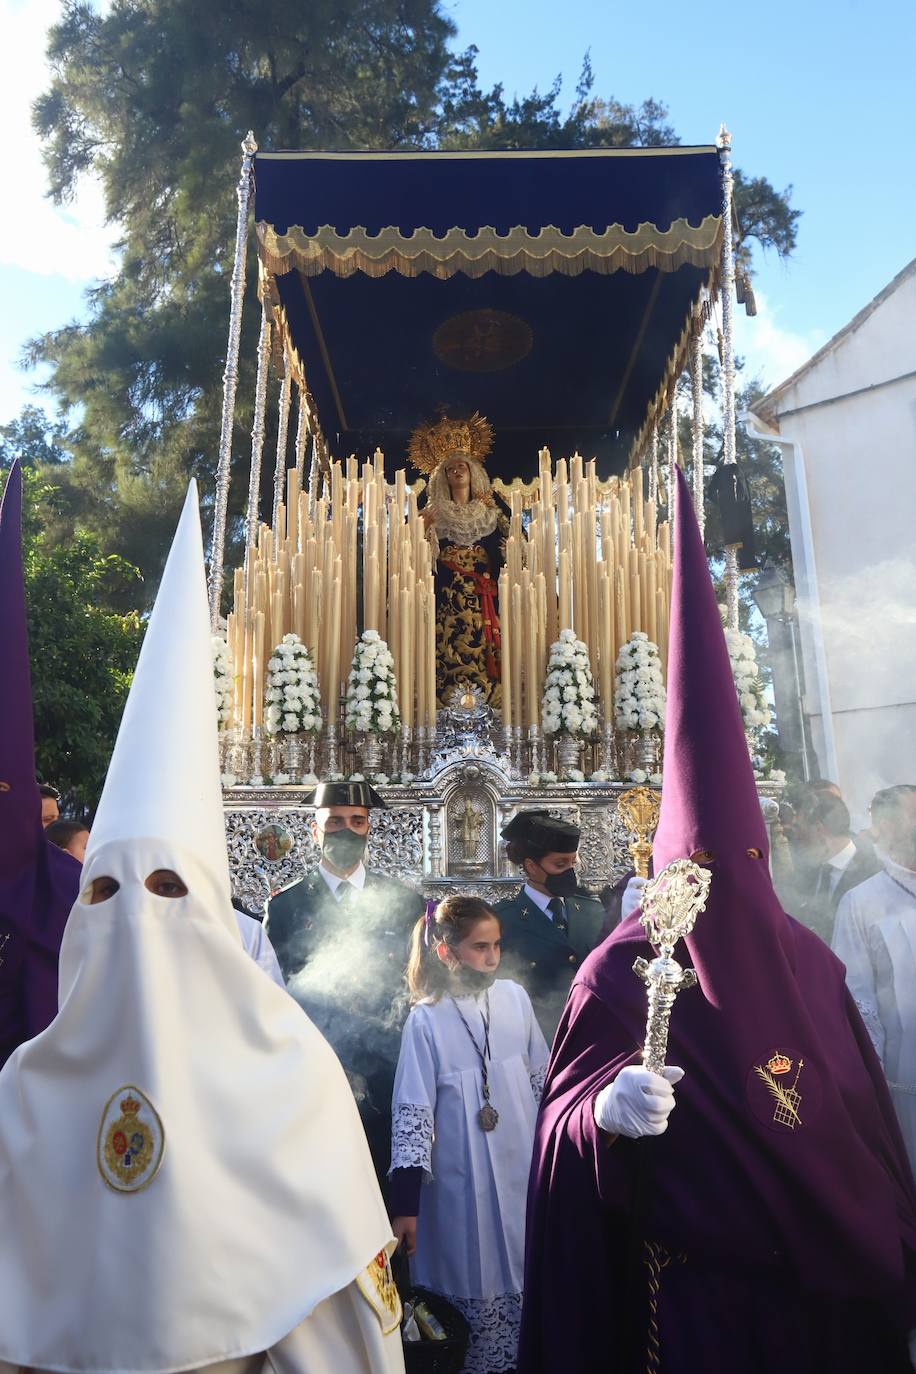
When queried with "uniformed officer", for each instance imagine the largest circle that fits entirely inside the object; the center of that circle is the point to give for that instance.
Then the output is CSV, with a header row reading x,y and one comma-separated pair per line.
x,y
550,925
341,934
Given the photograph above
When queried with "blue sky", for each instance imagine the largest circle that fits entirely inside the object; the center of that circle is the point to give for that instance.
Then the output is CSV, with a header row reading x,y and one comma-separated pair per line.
x,y
816,94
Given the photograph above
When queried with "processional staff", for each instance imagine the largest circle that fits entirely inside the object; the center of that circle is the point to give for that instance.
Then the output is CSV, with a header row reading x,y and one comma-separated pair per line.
x,y
671,904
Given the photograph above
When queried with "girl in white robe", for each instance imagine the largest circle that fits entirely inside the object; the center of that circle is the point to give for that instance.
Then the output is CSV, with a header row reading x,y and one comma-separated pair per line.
x,y
468,1083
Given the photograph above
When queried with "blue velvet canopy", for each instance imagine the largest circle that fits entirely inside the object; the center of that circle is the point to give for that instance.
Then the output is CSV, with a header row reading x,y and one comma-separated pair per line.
x,y
550,291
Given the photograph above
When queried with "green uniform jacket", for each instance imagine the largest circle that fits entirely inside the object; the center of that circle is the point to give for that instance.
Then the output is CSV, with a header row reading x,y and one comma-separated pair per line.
x,y
345,964
542,958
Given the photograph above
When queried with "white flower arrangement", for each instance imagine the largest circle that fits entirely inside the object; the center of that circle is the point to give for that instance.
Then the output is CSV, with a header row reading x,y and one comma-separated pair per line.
x,y
545,779
292,700
222,679
641,777
228,780
600,775
372,694
639,691
751,696
568,705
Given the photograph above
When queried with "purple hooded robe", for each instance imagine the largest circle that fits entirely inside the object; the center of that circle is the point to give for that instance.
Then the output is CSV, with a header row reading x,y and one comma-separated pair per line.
x,y
773,1225
38,882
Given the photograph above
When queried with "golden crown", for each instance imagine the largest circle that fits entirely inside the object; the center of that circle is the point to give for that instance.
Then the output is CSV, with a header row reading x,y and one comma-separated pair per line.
x,y
431,444
129,1106
780,1063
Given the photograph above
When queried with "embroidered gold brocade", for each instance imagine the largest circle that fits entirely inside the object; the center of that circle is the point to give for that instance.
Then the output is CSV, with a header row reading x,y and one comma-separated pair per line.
x,y
461,644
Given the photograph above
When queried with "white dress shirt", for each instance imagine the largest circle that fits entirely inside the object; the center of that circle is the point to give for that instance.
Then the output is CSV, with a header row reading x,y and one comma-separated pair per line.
x,y
543,900
839,864
356,879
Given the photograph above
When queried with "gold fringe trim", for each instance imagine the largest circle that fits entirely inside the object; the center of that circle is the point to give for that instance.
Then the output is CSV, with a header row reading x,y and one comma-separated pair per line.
x,y
677,360
541,254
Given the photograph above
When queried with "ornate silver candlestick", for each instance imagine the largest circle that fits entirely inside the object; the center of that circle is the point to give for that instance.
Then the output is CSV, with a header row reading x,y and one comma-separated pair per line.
x,y
515,757
671,904
256,764
332,747
608,762
534,736
237,755
274,765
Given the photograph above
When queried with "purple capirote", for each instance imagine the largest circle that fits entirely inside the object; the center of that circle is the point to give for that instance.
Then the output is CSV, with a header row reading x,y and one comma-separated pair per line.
x,y
38,882
773,1225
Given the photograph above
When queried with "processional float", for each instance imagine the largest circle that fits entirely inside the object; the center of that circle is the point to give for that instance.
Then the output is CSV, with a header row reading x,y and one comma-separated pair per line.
x,y
544,306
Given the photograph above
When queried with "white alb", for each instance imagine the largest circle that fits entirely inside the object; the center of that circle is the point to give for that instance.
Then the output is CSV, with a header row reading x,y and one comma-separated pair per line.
x,y
471,1225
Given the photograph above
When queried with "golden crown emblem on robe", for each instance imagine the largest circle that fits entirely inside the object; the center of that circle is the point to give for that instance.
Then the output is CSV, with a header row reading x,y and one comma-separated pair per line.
x,y
432,443
780,1063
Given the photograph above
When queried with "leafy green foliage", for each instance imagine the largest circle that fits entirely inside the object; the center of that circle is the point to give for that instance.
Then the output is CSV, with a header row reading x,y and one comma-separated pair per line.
x,y
82,652
153,97
33,439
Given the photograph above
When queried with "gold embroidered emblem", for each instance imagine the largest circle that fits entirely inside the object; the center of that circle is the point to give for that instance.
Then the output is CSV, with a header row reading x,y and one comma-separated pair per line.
x,y
788,1100
131,1141
377,1285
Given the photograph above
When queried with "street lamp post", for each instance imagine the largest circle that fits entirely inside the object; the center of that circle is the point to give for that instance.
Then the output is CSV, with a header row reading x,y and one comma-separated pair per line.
x,y
775,599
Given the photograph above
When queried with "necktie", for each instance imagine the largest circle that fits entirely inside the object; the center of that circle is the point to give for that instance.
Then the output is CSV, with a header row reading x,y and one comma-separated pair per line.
x,y
823,885
345,893
558,913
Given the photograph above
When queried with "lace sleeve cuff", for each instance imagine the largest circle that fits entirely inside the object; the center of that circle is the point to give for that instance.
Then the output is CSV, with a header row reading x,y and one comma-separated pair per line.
x,y
537,1082
412,1130
869,1014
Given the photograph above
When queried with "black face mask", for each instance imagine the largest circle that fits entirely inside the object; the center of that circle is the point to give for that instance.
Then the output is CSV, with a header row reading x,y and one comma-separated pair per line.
x,y
473,979
343,848
564,884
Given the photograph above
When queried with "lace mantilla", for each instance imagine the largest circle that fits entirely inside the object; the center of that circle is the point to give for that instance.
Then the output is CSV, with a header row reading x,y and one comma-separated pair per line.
x,y
494,1324
537,1083
412,1138
466,524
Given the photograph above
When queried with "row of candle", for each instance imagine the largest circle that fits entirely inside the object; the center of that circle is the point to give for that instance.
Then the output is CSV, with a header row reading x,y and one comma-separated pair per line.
x,y
600,568
303,577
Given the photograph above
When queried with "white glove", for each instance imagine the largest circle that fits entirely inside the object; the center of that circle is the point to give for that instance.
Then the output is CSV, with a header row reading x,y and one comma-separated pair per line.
x,y
638,1102
632,896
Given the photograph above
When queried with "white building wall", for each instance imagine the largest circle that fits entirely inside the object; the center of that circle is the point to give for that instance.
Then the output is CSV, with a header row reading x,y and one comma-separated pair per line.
x,y
858,465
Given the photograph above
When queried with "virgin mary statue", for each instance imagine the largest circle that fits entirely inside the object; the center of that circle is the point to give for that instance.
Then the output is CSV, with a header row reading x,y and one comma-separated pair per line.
x,y
467,526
